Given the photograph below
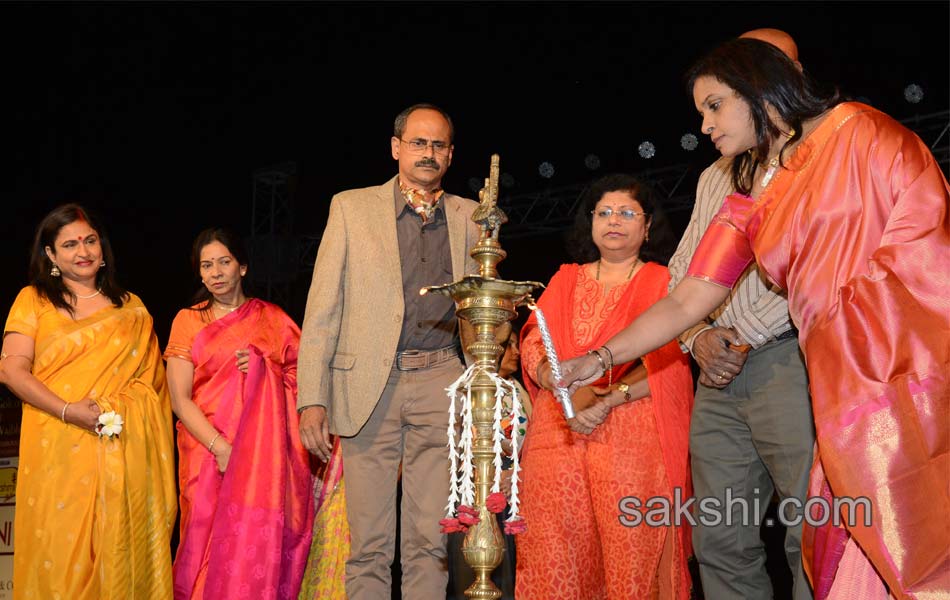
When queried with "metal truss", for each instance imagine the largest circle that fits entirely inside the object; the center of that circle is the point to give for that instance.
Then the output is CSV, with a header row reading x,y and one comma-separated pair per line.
x,y
934,130
273,249
272,211
552,210
307,251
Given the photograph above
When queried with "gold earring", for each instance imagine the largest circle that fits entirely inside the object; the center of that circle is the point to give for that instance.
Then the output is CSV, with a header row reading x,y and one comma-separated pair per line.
x,y
55,272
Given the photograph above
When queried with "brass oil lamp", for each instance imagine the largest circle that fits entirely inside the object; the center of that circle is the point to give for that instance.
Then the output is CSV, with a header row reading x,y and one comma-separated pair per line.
x,y
485,302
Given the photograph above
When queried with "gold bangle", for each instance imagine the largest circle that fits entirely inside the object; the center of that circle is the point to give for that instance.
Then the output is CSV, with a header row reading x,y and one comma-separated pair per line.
x,y
62,415
211,443
600,359
610,365
4,355
610,355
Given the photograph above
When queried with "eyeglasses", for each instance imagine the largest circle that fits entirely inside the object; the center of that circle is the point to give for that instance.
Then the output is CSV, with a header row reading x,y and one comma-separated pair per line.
x,y
627,214
419,145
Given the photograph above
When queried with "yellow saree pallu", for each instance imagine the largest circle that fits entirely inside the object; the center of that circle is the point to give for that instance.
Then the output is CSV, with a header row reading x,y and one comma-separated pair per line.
x,y
94,515
325,575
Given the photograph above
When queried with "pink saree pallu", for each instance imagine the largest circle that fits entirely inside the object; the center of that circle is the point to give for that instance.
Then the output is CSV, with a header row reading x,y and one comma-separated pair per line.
x,y
245,533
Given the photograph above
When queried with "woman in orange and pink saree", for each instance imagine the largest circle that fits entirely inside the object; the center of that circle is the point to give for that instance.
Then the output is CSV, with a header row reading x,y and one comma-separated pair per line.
x,y
848,211
244,477
95,513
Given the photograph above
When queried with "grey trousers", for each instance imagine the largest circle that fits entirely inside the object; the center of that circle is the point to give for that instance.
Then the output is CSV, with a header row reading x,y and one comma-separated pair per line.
x,y
408,427
751,439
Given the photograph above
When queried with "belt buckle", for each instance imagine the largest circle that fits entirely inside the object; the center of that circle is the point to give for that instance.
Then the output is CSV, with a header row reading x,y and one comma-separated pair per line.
x,y
410,354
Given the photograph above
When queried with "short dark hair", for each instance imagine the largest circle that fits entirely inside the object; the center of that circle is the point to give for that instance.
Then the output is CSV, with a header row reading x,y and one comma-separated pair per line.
x,y
52,288
658,248
399,126
229,240
760,73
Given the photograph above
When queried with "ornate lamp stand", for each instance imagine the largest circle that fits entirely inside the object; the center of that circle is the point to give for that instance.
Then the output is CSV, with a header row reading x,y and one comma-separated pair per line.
x,y
485,302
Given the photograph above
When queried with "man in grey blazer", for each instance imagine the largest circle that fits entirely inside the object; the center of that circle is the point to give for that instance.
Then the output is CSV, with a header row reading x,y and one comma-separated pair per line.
x,y
376,357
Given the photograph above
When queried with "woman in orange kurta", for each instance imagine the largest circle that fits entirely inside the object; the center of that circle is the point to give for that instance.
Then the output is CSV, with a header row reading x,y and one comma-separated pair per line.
x,y
851,217
94,514
630,436
245,479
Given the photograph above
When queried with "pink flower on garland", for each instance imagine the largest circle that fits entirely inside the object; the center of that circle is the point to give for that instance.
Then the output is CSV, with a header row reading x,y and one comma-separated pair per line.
x,y
452,526
468,515
515,527
496,502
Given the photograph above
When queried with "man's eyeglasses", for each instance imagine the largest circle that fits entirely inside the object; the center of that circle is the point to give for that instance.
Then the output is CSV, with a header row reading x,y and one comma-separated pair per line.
x,y
627,214
419,145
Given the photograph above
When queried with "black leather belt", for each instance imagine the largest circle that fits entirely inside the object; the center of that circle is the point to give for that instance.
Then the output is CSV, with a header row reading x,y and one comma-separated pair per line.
x,y
413,360
788,334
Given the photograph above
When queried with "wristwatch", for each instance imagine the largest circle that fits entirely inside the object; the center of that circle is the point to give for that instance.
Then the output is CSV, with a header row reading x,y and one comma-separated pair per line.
x,y
624,389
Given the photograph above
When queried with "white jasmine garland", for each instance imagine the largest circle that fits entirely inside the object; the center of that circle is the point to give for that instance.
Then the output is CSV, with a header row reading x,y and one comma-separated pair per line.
x,y
452,391
462,485
513,501
497,434
467,488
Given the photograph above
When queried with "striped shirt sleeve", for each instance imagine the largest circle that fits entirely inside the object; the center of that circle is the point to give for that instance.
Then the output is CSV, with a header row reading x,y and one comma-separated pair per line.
x,y
757,310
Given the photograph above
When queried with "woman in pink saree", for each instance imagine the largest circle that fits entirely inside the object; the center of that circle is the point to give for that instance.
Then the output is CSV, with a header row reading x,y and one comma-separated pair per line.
x,y
848,211
245,479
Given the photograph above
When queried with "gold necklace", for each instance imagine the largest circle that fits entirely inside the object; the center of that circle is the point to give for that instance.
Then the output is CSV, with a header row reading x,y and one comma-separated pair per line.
x,y
97,292
629,275
773,163
227,307
773,166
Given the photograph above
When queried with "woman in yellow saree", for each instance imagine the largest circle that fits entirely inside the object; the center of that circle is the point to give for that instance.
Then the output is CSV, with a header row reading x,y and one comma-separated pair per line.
x,y
94,512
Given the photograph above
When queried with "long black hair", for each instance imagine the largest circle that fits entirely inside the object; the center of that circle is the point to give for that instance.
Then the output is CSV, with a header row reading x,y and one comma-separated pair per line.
x,y
760,73
52,288
659,243
229,240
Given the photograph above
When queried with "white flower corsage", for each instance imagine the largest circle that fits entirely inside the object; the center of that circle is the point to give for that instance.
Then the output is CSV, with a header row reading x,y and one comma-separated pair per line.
x,y
110,424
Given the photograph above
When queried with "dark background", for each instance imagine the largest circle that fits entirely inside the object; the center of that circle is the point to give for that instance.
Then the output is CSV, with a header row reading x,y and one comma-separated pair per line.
x,y
157,115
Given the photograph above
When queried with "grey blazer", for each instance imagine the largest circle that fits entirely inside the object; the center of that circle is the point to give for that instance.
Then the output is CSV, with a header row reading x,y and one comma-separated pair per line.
x,y
355,305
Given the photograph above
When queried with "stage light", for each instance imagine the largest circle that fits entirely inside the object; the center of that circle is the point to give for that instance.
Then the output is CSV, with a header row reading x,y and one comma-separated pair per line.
x,y
647,150
546,170
689,142
592,162
913,93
